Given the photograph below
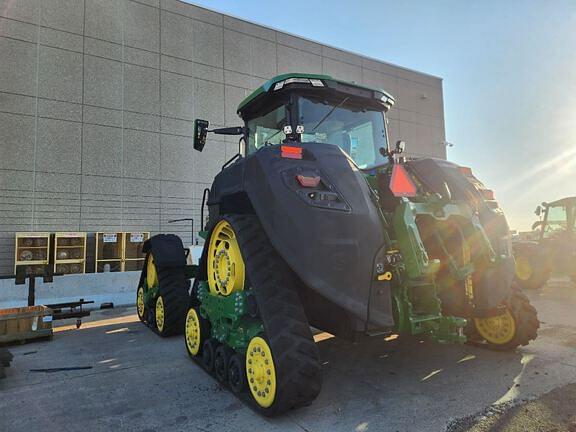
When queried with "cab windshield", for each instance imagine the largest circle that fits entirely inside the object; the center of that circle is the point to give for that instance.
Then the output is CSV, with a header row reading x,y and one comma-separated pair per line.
x,y
359,131
556,220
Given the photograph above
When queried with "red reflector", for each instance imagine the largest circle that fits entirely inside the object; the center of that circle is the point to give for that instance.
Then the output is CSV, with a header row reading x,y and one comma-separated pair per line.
x,y
401,184
466,171
488,195
309,182
291,152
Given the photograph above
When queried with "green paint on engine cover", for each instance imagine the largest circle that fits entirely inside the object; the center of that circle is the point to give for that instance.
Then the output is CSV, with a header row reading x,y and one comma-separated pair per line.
x,y
229,317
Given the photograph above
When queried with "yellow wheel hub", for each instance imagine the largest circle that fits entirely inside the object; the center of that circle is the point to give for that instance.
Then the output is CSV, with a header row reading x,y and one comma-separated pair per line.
x,y
523,268
160,313
151,275
497,330
260,372
193,331
225,263
140,302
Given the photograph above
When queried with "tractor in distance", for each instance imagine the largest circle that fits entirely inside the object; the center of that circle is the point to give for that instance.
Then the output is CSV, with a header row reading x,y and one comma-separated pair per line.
x,y
553,247
319,221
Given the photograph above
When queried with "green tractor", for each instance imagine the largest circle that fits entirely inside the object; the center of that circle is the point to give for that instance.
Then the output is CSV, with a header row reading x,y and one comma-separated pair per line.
x,y
554,248
319,221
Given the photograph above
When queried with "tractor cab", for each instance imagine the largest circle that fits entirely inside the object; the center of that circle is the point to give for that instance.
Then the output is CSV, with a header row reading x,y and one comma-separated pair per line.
x,y
554,250
558,218
318,109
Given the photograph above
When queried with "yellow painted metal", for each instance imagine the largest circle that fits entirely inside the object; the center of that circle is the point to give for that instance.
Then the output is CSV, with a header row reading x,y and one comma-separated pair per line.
x,y
193,331
151,274
385,276
523,268
497,330
468,285
260,372
226,271
140,302
160,313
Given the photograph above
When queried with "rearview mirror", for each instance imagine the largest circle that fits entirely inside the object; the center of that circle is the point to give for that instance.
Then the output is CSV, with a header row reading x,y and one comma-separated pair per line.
x,y
200,132
400,147
538,211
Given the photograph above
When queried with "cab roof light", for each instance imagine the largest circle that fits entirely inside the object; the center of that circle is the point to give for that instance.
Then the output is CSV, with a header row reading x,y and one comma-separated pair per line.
x,y
308,182
401,184
315,82
488,195
291,152
466,171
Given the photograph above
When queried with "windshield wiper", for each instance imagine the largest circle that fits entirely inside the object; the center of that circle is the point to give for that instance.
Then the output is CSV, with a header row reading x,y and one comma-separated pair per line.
x,y
330,112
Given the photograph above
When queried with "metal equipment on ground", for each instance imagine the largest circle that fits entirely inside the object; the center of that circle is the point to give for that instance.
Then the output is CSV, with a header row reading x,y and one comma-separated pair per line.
x,y
320,221
554,250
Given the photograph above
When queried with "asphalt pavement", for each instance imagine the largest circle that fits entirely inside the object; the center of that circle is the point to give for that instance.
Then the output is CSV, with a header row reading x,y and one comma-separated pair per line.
x,y
129,379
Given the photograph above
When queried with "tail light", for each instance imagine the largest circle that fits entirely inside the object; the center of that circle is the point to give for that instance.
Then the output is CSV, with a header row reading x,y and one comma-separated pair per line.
x,y
308,182
290,152
401,184
466,171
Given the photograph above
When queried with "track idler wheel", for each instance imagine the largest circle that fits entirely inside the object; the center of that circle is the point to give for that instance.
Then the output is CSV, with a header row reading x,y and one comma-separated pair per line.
x,y
140,305
160,315
261,372
196,332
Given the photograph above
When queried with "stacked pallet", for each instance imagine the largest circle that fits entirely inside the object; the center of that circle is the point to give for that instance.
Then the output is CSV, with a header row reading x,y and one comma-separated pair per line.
x,y
5,359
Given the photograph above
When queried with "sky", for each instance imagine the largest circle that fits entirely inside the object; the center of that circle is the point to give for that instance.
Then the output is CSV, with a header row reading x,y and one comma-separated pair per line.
x,y
508,69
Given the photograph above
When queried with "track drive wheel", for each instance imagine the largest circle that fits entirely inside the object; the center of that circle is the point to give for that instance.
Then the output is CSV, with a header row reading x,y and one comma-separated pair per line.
x,y
531,272
283,362
516,326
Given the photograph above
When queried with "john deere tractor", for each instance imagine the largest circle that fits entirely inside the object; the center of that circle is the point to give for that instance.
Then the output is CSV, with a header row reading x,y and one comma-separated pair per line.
x,y
319,221
554,248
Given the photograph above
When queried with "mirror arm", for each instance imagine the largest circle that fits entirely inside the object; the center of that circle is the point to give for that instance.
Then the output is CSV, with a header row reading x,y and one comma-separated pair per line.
x,y
228,131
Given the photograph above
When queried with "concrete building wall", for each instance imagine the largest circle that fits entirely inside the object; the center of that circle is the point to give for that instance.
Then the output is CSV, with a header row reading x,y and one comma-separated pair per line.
x,y
98,98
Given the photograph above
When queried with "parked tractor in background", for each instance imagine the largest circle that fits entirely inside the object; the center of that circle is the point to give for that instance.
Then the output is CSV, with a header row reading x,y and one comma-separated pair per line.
x,y
319,221
553,251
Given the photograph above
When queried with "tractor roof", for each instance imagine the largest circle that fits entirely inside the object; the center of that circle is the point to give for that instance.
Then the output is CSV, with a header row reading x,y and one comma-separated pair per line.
x,y
264,88
568,201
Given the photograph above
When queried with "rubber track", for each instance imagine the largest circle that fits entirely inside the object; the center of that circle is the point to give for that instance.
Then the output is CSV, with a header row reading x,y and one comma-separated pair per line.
x,y
296,357
174,290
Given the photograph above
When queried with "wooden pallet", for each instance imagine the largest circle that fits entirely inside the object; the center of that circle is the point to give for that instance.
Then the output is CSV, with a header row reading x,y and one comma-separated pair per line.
x,y
26,323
